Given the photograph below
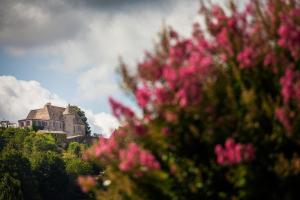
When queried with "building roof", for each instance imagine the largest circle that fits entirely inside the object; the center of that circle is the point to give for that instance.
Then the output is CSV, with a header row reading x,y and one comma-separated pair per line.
x,y
50,112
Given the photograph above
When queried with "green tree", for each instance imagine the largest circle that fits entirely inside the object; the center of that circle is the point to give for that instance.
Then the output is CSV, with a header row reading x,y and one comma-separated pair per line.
x,y
49,170
13,138
76,148
10,188
39,142
81,114
18,167
77,166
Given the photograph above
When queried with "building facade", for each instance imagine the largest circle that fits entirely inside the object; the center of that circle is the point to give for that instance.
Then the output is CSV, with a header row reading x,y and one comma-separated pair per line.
x,y
7,124
55,119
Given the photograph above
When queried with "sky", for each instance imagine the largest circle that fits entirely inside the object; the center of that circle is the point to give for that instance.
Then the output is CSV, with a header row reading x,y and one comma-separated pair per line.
x,y
67,51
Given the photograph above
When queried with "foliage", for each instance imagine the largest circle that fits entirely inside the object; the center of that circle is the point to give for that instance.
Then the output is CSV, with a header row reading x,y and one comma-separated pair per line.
x,y
51,175
220,112
33,166
39,143
18,171
10,188
76,148
81,114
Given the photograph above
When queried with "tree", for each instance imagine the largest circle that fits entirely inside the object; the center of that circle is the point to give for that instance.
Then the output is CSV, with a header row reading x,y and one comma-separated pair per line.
x,y
37,142
49,170
10,188
33,167
220,112
81,114
76,148
17,171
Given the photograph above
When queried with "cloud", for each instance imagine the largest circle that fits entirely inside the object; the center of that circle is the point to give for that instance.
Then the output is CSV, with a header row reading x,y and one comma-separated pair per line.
x,y
17,97
102,122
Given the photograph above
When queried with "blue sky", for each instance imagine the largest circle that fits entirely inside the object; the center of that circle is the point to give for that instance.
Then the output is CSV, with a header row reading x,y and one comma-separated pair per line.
x,y
66,51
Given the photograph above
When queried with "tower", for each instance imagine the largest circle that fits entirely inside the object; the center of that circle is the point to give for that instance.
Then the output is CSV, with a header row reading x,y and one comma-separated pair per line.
x,y
69,118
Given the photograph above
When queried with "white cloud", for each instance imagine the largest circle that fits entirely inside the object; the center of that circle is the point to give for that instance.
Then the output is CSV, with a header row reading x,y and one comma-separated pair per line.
x,y
102,122
17,97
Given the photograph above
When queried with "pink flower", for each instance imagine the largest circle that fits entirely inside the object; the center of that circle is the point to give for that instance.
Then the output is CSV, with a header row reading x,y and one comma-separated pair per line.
x,y
170,75
120,111
238,153
229,143
222,37
289,32
134,156
246,57
105,146
234,153
150,69
230,155
182,97
269,59
143,96
218,149
287,85
222,40
221,159
162,95
283,118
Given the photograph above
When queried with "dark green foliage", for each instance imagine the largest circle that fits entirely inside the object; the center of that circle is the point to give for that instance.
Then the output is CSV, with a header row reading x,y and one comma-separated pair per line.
x,y
17,166
50,172
10,188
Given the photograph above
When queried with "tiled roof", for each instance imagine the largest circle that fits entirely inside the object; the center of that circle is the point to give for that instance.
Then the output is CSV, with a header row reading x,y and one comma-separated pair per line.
x,y
49,112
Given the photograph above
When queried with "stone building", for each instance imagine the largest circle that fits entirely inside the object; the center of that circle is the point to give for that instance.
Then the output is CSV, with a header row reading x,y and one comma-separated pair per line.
x,y
55,119
7,124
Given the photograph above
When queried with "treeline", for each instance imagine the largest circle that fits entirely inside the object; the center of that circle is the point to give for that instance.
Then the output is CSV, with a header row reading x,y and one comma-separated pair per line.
x,y
33,166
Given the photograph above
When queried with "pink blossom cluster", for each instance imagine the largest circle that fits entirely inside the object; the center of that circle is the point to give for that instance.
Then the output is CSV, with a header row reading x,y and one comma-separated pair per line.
x,y
143,96
105,146
150,69
134,157
234,153
162,95
289,32
179,52
104,149
184,76
246,57
283,117
120,111
224,27
290,85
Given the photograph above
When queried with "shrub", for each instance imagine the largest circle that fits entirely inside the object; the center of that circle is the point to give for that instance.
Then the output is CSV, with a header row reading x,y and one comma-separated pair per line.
x,y
220,112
